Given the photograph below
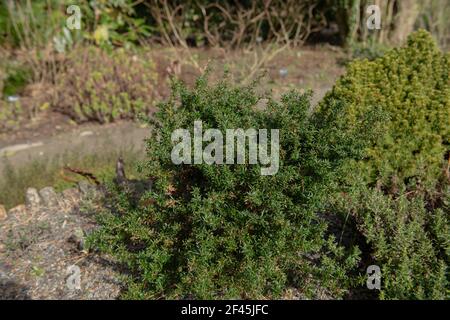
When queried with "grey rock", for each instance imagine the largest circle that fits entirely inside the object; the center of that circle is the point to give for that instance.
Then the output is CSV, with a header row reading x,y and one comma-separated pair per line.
x,y
283,72
71,195
262,104
86,189
17,212
121,178
32,198
49,197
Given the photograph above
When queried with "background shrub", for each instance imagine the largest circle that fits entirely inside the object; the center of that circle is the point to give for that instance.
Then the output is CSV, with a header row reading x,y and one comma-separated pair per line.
x,y
398,196
225,231
412,86
104,87
15,77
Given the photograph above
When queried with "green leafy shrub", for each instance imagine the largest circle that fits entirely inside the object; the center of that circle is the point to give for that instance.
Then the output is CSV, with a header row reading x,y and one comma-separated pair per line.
x,y
412,86
16,78
409,241
225,231
115,23
104,87
398,195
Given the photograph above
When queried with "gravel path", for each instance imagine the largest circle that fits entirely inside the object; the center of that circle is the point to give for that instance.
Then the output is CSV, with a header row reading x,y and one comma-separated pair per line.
x,y
87,139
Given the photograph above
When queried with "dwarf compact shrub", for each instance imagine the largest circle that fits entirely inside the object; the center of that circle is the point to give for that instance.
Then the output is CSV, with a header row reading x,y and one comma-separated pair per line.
x,y
101,86
226,231
412,86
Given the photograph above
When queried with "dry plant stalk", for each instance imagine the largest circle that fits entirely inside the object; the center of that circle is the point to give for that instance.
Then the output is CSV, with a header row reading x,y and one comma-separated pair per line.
x,y
34,45
88,175
289,23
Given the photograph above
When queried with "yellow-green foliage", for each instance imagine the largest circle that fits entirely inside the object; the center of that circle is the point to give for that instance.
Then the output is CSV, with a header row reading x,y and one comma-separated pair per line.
x,y
411,85
104,87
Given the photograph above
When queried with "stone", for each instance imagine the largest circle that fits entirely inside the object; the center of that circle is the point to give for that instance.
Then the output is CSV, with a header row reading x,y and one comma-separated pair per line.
x,y
283,72
3,214
86,133
49,197
32,198
86,189
71,195
18,211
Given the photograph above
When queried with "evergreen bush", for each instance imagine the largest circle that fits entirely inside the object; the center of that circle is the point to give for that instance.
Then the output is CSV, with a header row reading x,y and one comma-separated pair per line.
x,y
226,231
410,84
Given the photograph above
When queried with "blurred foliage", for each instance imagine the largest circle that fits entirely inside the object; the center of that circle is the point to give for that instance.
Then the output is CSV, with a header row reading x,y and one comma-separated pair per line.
x,y
31,24
114,22
218,23
17,77
105,86
369,51
34,23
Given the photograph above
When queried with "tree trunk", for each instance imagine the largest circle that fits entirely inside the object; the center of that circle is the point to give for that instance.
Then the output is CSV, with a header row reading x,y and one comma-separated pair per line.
x,y
405,18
